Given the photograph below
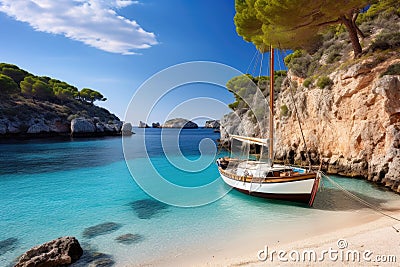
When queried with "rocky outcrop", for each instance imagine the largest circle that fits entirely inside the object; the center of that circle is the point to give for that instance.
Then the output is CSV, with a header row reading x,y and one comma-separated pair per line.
x,y
142,124
155,125
352,128
59,252
180,123
83,125
127,129
22,117
212,124
38,127
94,127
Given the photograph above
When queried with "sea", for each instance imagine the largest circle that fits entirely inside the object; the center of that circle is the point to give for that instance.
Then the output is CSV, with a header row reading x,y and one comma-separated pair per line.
x,y
160,202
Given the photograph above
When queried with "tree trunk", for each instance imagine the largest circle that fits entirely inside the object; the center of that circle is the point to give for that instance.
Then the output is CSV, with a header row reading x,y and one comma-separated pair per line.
x,y
352,29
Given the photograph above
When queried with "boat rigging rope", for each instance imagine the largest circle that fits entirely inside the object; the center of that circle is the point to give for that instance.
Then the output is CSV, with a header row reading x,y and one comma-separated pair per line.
x,y
362,201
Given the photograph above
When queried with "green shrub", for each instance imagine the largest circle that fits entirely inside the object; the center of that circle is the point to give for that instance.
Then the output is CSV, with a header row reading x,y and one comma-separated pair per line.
x,y
307,82
392,70
290,57
324,81
284,110
234,105
386,40
333,57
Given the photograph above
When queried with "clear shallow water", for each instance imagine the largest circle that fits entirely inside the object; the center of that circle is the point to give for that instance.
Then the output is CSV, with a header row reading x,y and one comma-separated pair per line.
x,y
55,188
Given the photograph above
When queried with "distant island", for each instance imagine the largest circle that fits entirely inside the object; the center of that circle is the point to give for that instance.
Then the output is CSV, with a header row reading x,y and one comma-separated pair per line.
x,y
179,123
40,106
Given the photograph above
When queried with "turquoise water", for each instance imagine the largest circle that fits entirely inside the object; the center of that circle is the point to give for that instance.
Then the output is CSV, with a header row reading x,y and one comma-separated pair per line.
x,y
61,187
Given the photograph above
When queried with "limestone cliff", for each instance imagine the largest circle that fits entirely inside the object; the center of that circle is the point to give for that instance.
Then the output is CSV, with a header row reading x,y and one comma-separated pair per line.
x,y
352,127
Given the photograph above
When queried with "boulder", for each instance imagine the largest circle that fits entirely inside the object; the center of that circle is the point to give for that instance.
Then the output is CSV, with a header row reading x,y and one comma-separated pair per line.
x,y
127,128
142,124
58,252
82,125
180,123
39,127
155,125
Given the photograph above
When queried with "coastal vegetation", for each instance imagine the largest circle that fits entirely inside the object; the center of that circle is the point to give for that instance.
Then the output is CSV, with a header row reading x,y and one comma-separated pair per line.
x,y
14,80
40,104
244,87
328,50
299,24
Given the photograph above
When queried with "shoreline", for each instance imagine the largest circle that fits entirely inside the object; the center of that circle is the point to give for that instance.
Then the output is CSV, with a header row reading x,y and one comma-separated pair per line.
x,y
378,236
367,231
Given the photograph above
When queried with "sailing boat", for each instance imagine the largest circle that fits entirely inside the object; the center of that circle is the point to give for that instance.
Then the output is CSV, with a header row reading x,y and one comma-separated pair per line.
x,y
264,178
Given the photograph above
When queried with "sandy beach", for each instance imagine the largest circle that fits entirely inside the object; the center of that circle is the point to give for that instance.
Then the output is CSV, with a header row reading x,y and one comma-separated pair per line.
x,y
360,238
378,239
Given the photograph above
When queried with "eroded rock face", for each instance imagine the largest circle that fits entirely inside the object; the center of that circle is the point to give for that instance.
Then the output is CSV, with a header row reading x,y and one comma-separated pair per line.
x,y
87,127
82,125
353,127
58,252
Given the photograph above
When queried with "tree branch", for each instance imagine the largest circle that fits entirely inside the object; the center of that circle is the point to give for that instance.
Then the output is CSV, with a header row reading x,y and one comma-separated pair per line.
x,y
317,25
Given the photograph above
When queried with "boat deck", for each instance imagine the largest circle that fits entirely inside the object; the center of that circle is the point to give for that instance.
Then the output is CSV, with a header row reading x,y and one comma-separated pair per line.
x,y
261,172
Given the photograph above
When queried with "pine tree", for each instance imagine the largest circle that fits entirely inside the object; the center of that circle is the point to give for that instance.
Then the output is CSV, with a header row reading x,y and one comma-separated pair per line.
x,y
291,24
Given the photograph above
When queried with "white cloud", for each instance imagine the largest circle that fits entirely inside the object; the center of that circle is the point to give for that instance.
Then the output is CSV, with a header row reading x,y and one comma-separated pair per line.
x,y
125,3
93,22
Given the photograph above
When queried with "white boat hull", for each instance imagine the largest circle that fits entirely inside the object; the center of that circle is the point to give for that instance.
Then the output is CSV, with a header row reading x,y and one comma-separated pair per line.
x,y
299,191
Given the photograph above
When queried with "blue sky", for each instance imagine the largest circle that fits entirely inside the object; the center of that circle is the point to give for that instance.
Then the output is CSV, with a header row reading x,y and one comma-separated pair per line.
x,y
114,46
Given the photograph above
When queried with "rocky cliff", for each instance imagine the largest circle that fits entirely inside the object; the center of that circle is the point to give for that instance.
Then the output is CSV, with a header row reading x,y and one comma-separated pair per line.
x,y
352,126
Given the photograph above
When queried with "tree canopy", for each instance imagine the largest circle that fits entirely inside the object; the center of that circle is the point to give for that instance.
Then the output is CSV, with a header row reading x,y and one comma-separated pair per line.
x,y
35,87
16,80
91,95
290,24
7,85
13,71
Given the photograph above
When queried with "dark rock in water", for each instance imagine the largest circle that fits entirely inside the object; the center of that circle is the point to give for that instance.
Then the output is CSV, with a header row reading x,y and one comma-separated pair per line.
x,y
101,229
128,239
8,245
58,252
155,125
104,262
148,208
91,257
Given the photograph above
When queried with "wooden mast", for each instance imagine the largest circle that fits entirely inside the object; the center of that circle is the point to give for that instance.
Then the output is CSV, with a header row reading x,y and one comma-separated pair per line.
x,y
271,105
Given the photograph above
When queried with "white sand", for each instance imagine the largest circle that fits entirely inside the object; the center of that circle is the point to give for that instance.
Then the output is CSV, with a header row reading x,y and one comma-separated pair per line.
x,y
378,236
362,230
